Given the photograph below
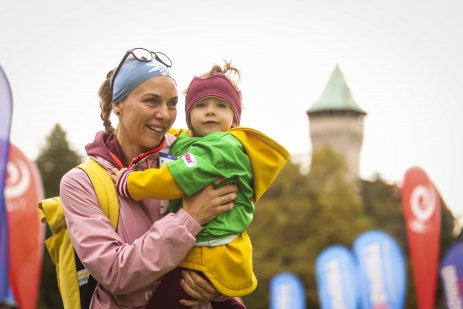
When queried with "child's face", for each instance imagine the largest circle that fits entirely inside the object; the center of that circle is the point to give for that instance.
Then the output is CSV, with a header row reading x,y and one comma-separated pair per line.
x,y
211,115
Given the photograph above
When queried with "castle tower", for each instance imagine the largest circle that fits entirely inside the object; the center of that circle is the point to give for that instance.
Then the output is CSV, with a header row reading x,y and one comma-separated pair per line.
x,y
337,121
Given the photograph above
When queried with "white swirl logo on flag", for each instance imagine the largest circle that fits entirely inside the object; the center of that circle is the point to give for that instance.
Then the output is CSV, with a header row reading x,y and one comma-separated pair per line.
x,y
423,205
18,179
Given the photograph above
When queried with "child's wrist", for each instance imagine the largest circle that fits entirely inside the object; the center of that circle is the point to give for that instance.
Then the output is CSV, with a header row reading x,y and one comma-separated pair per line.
x,y
121,186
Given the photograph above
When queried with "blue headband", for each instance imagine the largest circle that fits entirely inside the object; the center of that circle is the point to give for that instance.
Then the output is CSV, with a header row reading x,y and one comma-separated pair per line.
x,y
133,73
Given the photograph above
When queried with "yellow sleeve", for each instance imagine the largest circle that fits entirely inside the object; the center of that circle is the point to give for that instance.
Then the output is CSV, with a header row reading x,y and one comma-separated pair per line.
x,y
153,183
177,132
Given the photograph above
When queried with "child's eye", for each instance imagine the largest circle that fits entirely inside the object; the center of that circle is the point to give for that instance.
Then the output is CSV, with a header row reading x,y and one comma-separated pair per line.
x,y
199,105
222,105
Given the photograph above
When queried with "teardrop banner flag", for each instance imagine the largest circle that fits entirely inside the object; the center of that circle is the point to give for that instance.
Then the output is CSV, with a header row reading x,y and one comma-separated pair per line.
x,y
420,201
382,272
451,274
6,107
286,292
337,283
23,190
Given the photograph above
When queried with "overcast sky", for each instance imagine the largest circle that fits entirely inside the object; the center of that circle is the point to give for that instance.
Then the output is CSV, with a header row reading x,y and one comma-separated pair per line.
x,y
402,60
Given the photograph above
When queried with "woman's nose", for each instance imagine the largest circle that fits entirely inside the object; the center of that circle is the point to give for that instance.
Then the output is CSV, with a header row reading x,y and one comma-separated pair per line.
x,y
163,112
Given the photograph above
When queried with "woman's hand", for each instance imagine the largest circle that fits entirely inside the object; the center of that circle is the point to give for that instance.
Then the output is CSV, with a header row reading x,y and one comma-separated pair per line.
x,y
116,174
199,288
210,202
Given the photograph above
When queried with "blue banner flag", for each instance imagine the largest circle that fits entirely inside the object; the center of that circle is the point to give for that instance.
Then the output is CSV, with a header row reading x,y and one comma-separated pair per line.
x,y
336,273
451,273
6,107
382,271
286,292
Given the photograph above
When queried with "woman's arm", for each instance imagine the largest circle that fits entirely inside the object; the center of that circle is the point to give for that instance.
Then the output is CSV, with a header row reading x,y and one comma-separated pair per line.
x,y
122,266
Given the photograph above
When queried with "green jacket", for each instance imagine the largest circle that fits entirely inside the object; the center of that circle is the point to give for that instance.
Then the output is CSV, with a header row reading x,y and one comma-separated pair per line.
x,y
246,157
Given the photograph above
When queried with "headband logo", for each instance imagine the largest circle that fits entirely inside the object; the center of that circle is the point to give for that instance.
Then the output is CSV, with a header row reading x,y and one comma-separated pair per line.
x,y
156,67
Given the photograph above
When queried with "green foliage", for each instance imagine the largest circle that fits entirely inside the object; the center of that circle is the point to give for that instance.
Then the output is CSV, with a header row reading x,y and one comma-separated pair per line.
x,y
54,160
301,215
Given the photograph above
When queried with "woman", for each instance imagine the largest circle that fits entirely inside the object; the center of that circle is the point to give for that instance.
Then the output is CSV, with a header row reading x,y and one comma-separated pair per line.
x,y
129,263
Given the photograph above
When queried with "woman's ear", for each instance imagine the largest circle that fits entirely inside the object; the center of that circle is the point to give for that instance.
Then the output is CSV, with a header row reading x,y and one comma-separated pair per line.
x,y
117,108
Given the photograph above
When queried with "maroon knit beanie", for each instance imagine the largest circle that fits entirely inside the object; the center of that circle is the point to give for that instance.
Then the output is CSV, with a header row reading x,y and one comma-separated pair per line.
x,y
217,85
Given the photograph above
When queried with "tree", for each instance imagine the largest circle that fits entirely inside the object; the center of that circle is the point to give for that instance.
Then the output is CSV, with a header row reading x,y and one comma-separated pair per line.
x,y
54,160
301,215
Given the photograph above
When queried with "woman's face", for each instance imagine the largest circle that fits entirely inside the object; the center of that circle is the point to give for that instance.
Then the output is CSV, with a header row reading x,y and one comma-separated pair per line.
x,y
146,115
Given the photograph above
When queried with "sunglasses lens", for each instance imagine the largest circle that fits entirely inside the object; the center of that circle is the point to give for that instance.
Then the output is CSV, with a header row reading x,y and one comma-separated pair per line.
x,y
142,54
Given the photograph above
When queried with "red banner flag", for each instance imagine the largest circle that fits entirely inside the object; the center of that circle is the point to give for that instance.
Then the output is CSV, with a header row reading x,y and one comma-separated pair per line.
x,y
22,192
420,201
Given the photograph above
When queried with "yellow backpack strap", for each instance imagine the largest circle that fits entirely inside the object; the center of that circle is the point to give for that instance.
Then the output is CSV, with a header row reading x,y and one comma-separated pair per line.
x,y
51,212
104,189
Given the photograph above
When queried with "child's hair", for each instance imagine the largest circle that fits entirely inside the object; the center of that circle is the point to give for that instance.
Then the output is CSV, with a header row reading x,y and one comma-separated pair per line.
x,y
232,73
227,69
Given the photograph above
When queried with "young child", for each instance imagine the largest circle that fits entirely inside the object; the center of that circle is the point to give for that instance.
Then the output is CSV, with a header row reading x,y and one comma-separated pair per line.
x,y
217,147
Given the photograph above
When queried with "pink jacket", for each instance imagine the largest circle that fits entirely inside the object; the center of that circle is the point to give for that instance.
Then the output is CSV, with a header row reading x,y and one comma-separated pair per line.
x,y
128,263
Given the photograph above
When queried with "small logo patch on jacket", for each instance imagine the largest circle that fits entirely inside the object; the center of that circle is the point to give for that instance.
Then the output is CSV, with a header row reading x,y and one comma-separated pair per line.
x,y
82,276
189,159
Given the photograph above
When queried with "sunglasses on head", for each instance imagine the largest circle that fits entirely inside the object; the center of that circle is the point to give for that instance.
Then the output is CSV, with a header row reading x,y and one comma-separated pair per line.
x,y
143,55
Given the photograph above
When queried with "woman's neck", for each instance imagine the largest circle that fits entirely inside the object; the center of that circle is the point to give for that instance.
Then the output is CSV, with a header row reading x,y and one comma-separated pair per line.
x,y
129,149
135,153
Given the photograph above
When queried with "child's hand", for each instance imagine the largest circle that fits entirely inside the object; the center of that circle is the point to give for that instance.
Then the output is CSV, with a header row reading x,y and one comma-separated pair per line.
x,y
116,174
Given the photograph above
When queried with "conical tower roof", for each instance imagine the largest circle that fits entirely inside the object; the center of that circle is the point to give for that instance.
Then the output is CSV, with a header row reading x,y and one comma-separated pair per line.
x,y
336,96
